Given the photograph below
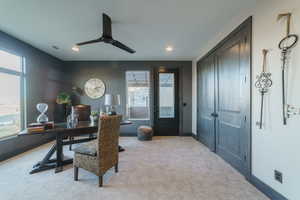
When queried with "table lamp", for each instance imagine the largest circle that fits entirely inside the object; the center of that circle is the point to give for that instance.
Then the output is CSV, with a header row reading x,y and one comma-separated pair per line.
x,y
111,101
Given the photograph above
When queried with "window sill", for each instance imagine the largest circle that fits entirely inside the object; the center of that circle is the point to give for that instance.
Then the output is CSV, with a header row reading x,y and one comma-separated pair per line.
x,y
10,137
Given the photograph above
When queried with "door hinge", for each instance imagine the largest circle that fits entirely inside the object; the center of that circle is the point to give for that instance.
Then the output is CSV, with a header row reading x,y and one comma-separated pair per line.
x,y
245,118
245,157
245,79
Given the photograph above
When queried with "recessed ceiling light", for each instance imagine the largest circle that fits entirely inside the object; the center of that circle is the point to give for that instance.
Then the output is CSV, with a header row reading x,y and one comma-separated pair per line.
x,y
169,48
75,48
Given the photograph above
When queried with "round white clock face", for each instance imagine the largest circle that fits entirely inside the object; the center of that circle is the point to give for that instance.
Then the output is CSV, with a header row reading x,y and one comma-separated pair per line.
x,y
94,88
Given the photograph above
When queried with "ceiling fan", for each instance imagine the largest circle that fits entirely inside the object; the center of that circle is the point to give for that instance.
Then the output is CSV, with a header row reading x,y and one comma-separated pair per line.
x,y
107,36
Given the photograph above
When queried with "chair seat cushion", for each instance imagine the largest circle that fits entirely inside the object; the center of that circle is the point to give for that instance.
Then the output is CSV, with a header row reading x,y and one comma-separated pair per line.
x,y
89,148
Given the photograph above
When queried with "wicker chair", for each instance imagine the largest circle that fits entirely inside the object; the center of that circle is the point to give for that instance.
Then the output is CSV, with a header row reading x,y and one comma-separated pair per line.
x,y
102,154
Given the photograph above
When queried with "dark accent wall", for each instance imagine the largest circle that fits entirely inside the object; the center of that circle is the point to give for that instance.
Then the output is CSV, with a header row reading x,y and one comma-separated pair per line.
x,y
47,76
113,75
44,75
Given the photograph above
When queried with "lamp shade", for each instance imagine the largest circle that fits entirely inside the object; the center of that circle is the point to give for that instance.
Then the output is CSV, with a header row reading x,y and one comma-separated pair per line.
x,y
108,100
112,100
117,100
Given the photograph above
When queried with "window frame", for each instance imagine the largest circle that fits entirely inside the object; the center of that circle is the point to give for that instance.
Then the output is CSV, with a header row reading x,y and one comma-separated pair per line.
x,y
22,75
149,101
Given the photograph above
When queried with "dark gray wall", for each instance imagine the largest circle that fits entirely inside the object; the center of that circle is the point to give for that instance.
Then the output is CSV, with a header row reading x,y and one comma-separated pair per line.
x,y
44,75
113,75
47,76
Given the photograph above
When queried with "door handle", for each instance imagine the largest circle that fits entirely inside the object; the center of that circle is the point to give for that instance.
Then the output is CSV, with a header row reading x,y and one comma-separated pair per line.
x,y
214,115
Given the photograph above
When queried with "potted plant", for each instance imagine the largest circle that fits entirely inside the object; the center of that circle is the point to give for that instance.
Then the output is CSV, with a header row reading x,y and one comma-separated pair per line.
x,y
94,116
63,98
63,105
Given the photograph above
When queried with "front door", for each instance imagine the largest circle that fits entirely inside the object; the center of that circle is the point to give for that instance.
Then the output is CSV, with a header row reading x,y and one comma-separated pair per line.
x,y
166,115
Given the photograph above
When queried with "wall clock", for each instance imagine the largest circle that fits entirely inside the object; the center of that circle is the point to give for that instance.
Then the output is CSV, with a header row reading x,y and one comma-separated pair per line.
x,y
94,88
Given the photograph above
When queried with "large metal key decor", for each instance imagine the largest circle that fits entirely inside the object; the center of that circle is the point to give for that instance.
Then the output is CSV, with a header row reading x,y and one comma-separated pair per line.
x,y
286,45
263,84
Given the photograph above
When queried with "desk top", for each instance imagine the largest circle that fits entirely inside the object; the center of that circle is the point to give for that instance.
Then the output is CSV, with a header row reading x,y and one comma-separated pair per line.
x,y
83,126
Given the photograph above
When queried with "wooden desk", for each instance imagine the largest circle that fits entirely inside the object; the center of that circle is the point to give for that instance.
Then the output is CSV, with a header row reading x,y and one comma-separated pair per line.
x,y
61,131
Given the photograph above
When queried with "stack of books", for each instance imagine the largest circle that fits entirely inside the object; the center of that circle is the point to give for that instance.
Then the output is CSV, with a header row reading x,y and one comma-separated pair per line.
x,y
39,127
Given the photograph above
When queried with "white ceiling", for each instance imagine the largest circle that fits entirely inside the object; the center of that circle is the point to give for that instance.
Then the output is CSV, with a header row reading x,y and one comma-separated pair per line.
x,y
147,26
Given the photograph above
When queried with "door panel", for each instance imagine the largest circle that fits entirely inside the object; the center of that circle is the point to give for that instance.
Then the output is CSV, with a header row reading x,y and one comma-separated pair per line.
x,y
229,110
166,115
166,95
206,95
231,130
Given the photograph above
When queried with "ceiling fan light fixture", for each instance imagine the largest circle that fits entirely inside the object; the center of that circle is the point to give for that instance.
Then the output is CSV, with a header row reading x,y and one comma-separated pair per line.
x,y
169,49
75,48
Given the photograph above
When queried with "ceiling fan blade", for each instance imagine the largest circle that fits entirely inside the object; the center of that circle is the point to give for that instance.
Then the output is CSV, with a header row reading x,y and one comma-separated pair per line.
x,y
89,42
106,26
122,46
107,36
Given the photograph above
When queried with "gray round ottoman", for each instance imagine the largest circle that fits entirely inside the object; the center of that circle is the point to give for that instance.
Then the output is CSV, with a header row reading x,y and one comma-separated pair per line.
x,y
144,133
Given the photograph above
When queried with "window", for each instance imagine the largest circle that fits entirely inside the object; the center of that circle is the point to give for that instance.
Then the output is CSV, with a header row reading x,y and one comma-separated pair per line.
x,y
166,95
11,94
138,95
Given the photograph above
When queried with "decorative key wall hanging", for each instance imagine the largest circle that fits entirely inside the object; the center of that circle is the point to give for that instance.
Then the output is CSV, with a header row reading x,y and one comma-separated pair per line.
x,y
263,84
286,45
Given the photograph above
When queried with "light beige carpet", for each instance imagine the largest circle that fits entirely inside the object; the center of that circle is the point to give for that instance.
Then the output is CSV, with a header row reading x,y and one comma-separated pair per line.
x,y
167,168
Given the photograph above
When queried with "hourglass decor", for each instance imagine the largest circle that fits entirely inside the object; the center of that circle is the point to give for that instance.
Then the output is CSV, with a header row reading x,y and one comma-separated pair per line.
x,y
42,108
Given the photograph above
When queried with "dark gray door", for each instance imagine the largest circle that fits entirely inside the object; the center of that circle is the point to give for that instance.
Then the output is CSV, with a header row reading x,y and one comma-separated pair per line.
x,y
166,103
206,102
233,100
224,99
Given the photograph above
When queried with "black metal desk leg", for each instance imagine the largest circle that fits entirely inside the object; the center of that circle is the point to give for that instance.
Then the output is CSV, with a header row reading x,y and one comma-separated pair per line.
x,y
46,163
59,153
